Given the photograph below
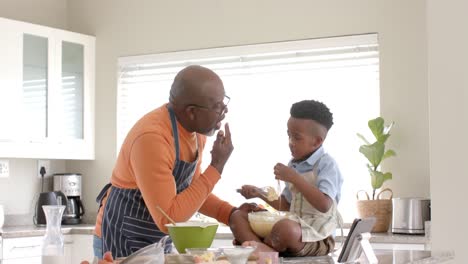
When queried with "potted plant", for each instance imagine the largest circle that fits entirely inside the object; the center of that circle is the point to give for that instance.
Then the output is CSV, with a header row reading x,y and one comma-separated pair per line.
x,y
375,152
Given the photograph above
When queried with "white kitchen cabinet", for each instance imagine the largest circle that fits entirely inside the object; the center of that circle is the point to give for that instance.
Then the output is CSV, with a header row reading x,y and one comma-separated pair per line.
x,y
22,250
28,250
47,92
32,260
82,248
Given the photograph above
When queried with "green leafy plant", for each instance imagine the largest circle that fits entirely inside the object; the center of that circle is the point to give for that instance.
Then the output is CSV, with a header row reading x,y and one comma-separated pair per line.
x,y
376,152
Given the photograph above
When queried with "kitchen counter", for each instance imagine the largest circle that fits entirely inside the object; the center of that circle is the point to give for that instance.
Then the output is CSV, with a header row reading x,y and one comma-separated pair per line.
x,y
31,230
223,233
385,257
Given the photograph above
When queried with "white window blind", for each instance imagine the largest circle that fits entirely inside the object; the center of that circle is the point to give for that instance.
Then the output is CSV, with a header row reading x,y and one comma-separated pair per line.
x,y
263,82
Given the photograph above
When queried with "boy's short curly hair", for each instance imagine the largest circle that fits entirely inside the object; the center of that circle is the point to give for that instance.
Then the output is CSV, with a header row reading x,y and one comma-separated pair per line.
x,y
313,110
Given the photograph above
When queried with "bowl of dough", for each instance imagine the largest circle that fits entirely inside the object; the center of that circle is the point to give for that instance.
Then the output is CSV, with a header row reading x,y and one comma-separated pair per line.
x,y
263,221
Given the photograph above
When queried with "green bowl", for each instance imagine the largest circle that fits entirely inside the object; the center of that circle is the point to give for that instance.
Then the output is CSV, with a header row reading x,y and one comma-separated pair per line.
x,y
192,235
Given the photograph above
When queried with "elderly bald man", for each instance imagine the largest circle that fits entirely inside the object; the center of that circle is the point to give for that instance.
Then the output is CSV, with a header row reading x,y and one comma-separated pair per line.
x,y
159,165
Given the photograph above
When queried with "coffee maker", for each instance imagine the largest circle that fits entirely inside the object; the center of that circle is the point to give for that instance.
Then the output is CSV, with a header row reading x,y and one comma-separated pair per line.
x,y
70,185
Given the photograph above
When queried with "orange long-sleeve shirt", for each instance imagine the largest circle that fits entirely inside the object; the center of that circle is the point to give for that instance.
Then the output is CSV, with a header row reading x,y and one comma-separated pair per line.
x,y
146,161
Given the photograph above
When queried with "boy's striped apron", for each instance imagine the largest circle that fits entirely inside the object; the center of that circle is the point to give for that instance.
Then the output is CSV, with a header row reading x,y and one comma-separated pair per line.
x,y
127,224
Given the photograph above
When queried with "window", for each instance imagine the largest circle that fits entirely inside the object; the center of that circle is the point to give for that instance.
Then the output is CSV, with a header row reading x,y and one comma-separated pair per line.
x,y
263,82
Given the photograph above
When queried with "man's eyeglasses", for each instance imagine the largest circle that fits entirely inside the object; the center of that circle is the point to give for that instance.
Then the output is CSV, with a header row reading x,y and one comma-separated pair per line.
x,y
219,108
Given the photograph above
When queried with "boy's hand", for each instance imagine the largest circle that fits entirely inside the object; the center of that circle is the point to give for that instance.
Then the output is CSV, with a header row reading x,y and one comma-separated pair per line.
x,y
284,173
249,191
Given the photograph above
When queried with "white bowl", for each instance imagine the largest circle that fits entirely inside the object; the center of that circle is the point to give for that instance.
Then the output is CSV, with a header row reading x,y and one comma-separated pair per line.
x,y
237,254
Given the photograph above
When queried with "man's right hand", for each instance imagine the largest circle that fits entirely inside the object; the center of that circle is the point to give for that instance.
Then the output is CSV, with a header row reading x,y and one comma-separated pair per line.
x,y
250,207
222,149
106,260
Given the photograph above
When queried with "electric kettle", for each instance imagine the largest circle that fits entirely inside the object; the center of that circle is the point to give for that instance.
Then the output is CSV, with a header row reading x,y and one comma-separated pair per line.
x,y
47,198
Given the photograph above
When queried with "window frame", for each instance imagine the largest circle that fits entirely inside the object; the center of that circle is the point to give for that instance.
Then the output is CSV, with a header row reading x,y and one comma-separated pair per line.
x,y
184,58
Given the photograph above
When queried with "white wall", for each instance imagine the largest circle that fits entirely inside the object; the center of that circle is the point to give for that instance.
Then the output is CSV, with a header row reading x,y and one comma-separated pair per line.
x,y
52,13
448,97
18,191
148,26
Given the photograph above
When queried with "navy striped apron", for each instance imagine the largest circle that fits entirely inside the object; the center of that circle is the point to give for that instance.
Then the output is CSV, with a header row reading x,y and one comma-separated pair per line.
x,y
127,224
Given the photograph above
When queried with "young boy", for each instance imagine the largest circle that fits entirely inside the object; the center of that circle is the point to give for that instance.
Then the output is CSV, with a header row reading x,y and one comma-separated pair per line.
x,y
312,192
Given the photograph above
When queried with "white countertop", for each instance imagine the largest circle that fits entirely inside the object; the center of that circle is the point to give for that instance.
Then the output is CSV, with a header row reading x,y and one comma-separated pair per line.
x,y
223,233
32,230
384,257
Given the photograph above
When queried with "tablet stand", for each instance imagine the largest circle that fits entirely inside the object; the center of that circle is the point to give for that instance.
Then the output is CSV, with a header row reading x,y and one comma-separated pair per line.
x,y
361,244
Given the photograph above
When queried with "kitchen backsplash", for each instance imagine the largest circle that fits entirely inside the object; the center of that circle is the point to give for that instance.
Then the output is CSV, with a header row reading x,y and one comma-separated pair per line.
x,y
19,191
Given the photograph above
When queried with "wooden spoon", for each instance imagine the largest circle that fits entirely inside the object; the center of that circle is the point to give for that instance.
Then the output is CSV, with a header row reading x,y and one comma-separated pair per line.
x,y
165,215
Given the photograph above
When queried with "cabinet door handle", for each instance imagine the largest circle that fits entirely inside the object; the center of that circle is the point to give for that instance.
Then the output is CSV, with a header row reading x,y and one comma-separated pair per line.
x,y
24,247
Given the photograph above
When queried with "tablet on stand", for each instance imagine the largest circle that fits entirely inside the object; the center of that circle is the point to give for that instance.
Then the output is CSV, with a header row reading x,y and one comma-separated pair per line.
x,y
357,242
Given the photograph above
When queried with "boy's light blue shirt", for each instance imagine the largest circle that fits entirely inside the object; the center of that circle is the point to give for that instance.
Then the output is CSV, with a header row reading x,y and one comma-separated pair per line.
x,y
329,178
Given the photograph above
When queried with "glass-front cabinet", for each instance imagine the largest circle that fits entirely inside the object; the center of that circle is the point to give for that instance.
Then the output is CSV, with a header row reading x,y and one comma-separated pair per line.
x,y
32,109
71,91
46,92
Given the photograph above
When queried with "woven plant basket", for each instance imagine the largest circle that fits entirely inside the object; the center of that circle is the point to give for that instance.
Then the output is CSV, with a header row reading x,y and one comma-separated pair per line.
x,y
380,208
